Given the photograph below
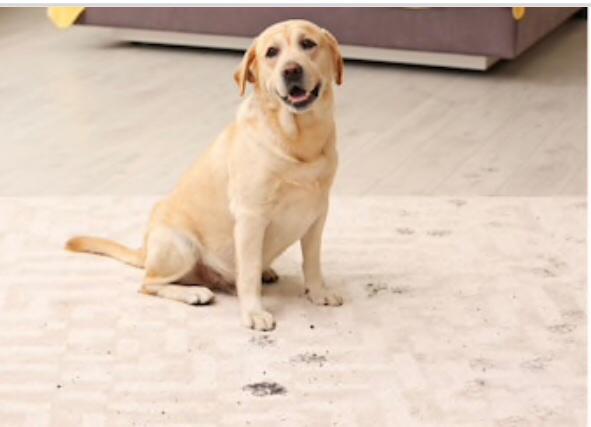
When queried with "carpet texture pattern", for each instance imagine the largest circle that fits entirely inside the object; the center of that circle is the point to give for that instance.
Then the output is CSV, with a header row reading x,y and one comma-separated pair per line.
x,y
458,312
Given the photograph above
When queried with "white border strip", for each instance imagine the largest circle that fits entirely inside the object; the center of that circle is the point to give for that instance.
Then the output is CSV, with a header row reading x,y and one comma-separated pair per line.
x,y
309,3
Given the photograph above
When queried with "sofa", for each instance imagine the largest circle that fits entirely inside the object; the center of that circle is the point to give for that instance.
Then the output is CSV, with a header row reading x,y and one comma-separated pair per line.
x,y
460,37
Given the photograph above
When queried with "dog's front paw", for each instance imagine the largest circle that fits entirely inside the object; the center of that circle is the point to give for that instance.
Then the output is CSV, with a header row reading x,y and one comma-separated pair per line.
x,y
259,320
324,296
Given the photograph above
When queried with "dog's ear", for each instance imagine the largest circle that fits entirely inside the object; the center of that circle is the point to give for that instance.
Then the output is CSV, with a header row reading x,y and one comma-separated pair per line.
x,y
246,71
337,58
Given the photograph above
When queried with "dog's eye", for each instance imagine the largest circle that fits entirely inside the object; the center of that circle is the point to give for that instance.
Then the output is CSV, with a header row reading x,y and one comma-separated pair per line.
x,y
272,52
308,44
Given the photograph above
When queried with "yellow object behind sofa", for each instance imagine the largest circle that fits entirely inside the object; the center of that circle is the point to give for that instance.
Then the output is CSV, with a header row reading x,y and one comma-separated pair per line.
x,y
64,17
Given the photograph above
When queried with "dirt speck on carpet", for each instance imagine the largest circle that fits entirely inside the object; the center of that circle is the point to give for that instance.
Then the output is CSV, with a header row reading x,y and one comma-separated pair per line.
x,y
265,389
439,233
309,358
458,202
374,289
262,340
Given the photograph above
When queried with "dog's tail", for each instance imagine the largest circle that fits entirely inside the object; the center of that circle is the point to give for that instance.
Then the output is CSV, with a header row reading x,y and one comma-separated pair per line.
x,y
95,245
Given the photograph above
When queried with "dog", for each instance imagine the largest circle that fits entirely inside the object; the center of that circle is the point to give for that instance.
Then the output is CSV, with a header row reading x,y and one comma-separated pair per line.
x,y
260,187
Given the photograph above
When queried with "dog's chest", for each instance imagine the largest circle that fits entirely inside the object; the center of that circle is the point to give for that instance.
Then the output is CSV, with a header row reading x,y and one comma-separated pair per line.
x,y
294,212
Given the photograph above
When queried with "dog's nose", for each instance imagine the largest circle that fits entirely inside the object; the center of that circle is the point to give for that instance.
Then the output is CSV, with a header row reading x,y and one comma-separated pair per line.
x,y
292,72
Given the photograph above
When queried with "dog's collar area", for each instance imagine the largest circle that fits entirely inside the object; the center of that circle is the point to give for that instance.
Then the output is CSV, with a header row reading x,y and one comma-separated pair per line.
x,y
298,98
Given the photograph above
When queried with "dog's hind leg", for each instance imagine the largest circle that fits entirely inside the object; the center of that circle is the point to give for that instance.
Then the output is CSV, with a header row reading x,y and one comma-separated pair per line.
x,y
194,295
171,254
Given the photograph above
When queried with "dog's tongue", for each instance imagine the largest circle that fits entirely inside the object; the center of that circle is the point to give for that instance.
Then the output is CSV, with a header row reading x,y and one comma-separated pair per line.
x,y
298,95
299,98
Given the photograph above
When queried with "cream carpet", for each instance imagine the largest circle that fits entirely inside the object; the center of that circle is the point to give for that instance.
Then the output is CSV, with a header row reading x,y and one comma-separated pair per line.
x,y
458,312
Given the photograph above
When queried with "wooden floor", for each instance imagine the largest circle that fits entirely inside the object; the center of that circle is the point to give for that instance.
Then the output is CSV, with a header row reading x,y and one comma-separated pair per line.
x,y
83,114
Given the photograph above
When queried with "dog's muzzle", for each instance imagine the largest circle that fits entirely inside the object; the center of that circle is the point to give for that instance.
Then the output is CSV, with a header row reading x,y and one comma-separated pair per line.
x,y
299,98
293,73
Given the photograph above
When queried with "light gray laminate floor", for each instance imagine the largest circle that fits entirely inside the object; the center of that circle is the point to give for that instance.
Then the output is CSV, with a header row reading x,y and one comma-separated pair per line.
x,y
82,115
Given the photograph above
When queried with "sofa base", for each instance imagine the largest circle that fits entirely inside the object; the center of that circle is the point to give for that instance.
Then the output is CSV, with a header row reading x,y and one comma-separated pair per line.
x,y
401,56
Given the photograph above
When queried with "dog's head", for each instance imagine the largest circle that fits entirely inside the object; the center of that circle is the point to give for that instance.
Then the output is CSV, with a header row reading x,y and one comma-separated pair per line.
x,y
294,61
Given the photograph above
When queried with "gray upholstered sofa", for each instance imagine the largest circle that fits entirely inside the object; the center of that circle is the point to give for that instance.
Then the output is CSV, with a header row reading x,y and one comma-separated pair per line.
x,y
464,37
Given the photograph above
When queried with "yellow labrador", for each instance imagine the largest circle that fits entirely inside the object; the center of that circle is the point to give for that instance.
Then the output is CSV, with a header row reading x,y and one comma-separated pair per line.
x,y
262,185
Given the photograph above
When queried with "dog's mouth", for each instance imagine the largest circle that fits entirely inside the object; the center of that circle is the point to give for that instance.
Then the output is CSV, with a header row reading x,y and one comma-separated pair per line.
x,y
299,98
